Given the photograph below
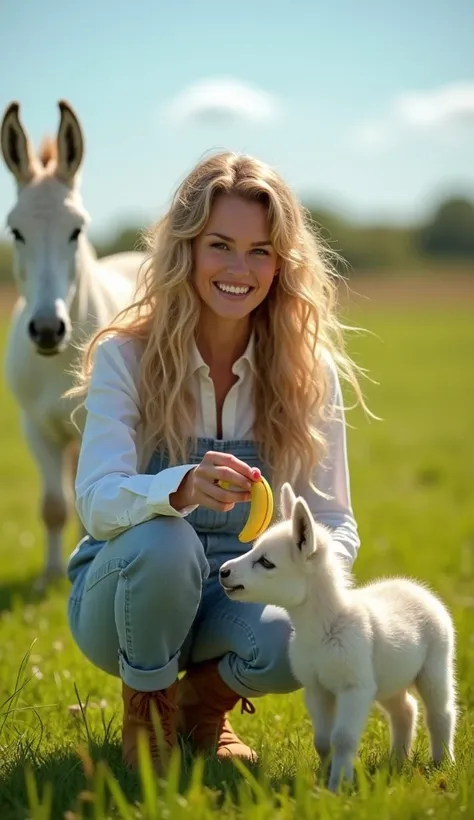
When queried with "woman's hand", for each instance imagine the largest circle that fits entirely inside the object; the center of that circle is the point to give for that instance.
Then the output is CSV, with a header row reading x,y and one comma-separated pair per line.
x,y
199,486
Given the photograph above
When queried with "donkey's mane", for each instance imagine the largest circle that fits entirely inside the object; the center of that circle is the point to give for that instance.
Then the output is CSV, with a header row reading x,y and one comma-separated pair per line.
x,y
48,151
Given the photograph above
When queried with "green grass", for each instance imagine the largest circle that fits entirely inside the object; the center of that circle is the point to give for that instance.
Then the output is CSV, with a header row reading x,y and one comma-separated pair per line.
x,y
412,479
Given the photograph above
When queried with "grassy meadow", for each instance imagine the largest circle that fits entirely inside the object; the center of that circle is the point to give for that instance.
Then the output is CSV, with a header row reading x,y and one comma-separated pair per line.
x,y
412,479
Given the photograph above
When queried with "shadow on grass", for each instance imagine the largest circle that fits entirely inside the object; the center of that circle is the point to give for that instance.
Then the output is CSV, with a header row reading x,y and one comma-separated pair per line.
x,y
70,773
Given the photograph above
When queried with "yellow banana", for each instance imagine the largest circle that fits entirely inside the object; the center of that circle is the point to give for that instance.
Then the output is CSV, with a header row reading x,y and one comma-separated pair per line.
x,y
261,509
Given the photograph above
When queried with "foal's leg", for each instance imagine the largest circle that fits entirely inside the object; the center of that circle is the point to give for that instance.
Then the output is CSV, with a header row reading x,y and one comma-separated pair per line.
x,y
50,456
352,712
436,685
320,704
402,710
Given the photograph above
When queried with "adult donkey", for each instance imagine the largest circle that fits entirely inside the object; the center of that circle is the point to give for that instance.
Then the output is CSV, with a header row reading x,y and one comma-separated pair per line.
x,y
65,293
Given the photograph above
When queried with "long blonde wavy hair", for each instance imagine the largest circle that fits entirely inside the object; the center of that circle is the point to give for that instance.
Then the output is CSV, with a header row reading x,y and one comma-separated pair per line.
x,y
291,325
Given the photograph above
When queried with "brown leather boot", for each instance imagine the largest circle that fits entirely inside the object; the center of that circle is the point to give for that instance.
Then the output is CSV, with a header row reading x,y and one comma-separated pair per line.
x,y
137,717
203,699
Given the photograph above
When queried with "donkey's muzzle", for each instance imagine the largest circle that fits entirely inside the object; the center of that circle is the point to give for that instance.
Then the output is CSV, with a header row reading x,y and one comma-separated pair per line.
x,y
47,334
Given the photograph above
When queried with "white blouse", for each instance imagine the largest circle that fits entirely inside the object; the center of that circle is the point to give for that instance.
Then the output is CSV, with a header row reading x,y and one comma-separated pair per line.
x,y
112,494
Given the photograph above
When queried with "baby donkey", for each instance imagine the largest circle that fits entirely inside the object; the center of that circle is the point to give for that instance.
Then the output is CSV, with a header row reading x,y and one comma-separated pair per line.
x,y
351,646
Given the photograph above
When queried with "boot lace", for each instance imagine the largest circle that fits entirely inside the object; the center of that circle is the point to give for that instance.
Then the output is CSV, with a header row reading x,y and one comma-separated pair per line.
x,y
247,707
140,703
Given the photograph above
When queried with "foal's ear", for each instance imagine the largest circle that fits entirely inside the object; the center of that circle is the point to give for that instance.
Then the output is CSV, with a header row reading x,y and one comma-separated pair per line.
x,y
287,500
17,150
70,144
303,529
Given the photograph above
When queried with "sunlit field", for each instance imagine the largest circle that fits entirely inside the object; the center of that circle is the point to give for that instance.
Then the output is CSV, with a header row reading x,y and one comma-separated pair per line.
x,y
412,478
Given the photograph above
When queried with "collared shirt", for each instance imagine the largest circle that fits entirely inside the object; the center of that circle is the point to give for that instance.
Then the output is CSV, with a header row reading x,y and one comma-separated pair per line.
x,y
237,410
112,492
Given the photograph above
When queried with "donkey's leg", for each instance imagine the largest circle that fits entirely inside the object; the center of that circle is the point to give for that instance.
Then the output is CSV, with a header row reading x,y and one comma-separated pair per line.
x,y
50,456
74,458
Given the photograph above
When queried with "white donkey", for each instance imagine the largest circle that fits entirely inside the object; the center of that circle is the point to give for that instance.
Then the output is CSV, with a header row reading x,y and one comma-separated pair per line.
x,y
65,294
352,646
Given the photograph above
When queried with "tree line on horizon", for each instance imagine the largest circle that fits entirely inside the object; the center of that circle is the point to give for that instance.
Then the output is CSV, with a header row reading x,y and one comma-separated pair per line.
x,y
447,236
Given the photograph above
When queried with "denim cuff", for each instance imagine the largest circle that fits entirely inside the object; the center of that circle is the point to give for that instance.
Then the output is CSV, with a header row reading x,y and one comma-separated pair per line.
x,y
148,680
227,675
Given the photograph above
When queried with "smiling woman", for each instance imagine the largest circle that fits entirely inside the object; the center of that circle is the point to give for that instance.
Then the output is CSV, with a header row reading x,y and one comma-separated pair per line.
x,y
233,273
223,372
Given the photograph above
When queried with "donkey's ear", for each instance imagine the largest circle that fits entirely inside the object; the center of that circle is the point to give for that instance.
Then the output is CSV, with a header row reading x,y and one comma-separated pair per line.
x,y
303,529
17,150
70,144
287,500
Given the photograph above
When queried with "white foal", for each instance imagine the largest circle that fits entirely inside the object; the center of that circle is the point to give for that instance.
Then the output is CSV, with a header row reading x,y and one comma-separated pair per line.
x,y
351,646
65,293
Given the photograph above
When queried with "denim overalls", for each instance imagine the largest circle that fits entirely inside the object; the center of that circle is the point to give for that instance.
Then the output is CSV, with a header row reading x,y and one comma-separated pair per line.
x,y
146,604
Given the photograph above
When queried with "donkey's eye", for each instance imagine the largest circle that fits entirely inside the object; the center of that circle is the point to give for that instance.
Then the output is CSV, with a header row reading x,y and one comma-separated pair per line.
x,y
17,235
74,235
266,564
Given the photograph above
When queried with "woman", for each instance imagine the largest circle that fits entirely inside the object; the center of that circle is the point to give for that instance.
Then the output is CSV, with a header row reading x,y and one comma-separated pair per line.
x,y
224,369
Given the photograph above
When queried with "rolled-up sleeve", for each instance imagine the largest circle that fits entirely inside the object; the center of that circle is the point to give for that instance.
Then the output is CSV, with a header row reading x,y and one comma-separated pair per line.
x,y
332,475
110,494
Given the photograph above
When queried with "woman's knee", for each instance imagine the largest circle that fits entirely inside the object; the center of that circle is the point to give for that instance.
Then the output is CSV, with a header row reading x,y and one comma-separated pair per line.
x,y
165,550
263,665
272,662
146,573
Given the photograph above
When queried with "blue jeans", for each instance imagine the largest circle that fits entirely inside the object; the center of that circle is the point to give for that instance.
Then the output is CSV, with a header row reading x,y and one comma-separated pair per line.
x,y
148,603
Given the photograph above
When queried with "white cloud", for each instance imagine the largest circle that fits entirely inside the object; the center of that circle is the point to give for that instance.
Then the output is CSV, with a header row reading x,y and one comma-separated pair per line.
x,y
444,109
224,99
451,104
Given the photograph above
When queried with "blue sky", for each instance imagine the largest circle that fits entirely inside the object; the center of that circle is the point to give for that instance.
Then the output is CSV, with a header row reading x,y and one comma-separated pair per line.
x,y
366,106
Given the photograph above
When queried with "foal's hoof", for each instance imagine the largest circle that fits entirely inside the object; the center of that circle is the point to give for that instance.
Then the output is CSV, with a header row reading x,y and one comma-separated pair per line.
x,y
50,576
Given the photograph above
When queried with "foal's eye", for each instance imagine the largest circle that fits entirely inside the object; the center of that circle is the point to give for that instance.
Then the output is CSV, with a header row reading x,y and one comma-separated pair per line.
x,y
266,564
17,235
74,235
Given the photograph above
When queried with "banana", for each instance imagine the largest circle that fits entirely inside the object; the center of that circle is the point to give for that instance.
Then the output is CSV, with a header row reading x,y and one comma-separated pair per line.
x,y
261,509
